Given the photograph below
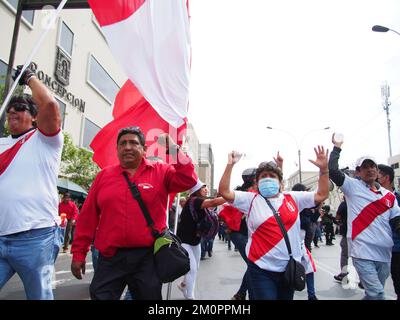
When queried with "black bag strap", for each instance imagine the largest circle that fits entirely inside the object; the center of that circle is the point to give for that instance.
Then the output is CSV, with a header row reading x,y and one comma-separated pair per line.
x,y
136,195
283,230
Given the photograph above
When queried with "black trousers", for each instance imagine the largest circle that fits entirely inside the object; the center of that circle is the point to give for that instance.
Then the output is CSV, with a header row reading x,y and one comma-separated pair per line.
x,y
132,267
395,271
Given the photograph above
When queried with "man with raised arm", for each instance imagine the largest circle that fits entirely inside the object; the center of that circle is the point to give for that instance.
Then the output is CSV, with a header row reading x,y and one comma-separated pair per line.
x,y
29,164
372,213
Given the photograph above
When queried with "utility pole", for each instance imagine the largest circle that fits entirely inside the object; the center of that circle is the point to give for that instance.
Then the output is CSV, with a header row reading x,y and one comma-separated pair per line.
x,y
385,93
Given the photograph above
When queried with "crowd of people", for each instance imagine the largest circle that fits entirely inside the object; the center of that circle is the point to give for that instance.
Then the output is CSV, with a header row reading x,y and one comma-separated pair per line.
x,y
34,224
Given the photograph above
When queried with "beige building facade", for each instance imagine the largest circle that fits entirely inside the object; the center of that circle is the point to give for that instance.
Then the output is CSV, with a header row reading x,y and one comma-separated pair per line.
x,y
74,62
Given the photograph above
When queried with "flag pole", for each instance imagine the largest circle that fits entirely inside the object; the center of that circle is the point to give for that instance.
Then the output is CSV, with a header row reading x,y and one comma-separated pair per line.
x,y
35,49
178,198
169,288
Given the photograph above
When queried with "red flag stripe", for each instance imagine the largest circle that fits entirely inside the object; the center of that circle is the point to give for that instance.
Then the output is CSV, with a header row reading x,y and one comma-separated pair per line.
x,y
311,260
127,97
7,156
142,114
111,11
268,235
370,213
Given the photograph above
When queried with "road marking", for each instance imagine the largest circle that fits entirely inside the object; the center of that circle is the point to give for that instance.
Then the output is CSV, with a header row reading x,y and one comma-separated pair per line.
x,y
55,282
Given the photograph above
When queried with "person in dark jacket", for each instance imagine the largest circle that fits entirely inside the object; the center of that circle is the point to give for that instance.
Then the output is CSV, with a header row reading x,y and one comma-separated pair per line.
x,y
327,221
341,217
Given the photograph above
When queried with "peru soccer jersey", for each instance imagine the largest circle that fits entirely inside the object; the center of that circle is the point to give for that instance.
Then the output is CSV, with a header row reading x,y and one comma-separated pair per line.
x,y
369,233
266,246
28,181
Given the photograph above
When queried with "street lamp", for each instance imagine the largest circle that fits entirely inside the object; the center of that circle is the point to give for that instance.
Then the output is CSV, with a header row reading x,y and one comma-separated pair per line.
x,y
385,89
297,143
378,28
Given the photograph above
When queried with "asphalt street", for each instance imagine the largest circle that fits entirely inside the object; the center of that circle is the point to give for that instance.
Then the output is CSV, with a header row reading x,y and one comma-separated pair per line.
x,y
219,278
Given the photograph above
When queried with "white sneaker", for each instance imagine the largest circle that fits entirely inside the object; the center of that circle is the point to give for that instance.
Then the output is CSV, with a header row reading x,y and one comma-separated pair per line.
x,y
182,287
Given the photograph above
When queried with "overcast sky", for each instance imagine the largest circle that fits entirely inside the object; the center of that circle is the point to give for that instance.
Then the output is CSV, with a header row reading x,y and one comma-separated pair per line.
x,y
297,66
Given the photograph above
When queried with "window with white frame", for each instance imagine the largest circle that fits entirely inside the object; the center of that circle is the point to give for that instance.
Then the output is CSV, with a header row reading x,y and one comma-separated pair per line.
x,y
90,131
29,15
99,78
3,71
66,40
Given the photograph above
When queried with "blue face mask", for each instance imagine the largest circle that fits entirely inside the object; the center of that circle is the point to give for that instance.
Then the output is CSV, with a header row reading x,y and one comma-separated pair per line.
x,y
268,187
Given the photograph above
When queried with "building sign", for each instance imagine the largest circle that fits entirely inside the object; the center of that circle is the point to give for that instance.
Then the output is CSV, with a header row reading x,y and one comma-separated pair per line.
x,y
58,88
63,67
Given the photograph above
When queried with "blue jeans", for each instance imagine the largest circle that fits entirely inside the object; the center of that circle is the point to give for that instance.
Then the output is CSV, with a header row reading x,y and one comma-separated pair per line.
x,y
310,284
62,234
268,285
95,256
373,275
206,246
31,254
240,241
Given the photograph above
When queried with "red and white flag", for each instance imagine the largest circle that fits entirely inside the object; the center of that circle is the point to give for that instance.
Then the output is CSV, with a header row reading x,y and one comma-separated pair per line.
x,y
151,41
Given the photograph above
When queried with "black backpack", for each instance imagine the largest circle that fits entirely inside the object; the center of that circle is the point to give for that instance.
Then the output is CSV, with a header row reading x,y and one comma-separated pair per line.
x,y
206,227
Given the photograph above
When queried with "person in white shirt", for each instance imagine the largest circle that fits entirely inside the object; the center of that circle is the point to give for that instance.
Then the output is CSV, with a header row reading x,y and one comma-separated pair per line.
x,y
29,163
371,213
266,248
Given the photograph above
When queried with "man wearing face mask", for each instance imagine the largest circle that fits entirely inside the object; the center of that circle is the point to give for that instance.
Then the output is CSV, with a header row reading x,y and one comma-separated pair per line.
x,y
266,249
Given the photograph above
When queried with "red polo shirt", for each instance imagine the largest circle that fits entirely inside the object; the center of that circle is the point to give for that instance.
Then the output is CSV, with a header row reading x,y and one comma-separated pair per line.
x,y
68,208
111,215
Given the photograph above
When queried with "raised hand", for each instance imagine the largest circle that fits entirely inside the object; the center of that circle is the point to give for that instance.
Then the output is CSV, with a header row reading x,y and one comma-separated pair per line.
x,y
279,161
336,143
234,157
26,76
321,160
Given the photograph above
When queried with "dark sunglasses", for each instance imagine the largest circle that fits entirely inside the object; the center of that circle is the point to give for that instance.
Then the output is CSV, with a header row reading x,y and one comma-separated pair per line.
x,y
18,107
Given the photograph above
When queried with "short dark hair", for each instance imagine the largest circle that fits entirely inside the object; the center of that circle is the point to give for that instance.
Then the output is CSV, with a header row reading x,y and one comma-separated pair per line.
x,y
299,187
67,195
24,99
132,130
269,167
387,171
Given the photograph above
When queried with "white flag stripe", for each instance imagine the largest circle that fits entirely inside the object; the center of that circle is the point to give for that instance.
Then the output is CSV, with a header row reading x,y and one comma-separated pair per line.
x,y
153,47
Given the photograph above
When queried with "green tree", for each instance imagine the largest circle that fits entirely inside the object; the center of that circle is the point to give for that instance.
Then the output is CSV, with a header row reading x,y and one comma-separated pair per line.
x,y
77,164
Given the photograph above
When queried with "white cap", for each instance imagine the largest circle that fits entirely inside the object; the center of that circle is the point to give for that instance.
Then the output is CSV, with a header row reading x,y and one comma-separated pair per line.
x,y
196,187
361,160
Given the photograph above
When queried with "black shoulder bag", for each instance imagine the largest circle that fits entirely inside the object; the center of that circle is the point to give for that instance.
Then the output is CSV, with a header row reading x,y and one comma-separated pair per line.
x,y
295,274
170,258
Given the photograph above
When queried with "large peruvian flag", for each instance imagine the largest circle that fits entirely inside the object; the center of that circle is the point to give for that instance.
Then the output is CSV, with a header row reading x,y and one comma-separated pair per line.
x,y
151,41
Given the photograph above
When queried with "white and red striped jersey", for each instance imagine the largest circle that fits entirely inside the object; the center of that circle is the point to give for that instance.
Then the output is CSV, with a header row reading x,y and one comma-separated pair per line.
x,y
28,181
266,246
368,230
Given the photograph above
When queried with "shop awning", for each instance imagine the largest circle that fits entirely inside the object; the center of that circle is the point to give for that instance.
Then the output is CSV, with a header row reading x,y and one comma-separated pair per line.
x,y
76,191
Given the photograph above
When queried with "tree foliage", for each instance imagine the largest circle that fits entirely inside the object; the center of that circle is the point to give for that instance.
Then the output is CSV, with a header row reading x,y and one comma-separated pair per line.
x,y
77,164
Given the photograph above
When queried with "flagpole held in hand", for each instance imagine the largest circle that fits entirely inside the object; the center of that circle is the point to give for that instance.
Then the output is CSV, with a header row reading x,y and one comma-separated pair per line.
x,y
35,49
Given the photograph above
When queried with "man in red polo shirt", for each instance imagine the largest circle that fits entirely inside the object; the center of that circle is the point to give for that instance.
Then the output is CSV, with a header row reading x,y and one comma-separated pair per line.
x,y
68,207
112,217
